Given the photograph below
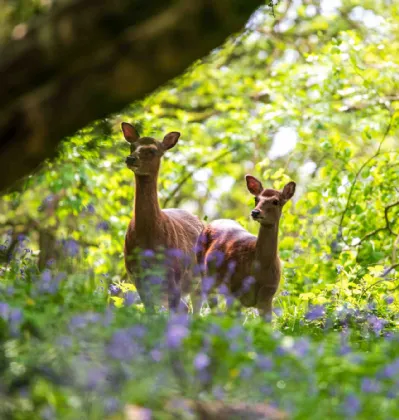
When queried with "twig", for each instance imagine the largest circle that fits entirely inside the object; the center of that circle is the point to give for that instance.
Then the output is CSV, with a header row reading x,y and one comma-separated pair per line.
x,y
386,227
389,269
388,129
388,223
191,173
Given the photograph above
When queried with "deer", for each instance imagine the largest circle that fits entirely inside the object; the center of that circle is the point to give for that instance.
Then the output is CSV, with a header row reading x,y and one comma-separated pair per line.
x,y
154,230
248,266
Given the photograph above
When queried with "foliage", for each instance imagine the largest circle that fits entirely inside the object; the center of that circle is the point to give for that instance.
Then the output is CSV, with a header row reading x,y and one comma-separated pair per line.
x,y
311,96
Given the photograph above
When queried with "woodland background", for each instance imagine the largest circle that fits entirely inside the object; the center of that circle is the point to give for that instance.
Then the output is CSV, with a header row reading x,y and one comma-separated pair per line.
x,y
310,94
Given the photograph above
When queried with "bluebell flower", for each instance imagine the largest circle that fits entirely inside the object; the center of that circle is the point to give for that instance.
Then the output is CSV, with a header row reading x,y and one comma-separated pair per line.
x,y
176,331
95,378
264,362
370,386
111,405
122,346
389,300
103,226
391,370
376,324
207,284
90,208
316,312
148,253
113,289
351,406
71,247
130,298
201,361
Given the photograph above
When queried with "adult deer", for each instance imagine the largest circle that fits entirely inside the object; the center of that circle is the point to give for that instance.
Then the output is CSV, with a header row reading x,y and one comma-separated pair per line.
x,y
248,265
154,229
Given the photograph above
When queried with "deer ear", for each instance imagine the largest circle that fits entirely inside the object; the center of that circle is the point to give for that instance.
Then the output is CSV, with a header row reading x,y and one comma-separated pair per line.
x,y
130,133
254,185
289,190
170,140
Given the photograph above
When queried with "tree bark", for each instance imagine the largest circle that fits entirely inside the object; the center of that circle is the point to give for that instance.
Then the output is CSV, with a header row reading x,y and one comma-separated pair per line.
x,y
87,59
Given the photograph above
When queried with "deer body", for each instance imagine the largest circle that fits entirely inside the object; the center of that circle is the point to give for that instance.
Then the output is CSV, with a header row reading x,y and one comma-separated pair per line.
x,y
248,265
154,229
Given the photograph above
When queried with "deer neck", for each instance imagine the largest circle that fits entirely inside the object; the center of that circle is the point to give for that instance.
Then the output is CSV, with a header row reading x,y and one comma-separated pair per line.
x,y
146,209
267,245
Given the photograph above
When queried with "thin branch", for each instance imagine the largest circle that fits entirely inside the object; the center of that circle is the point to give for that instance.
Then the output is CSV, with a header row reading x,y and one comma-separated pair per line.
x,y
388,223
191,173
376,154
389,269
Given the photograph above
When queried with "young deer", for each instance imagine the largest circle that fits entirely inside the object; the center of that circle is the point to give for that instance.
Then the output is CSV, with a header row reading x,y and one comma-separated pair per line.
x,y
248,265
154,229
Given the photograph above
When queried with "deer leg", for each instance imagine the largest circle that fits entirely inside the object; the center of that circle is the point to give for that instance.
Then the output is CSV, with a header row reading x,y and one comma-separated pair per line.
x,y
174,293
196,299
144,292
264,302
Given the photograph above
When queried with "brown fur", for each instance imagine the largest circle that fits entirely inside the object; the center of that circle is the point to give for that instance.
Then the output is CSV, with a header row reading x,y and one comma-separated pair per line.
x,y
248,265
154,229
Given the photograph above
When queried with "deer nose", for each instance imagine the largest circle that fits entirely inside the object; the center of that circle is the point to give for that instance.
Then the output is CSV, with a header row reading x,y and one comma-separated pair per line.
x,y
130,160
255,213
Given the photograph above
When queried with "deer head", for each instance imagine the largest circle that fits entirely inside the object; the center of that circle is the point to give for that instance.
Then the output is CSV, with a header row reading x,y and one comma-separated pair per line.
x,y
146,152
268,202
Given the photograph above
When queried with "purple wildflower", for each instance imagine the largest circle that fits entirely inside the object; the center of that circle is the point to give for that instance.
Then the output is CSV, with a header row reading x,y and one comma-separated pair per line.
x,y
231,266
90,208
65,341
207,283
111,405
175,253
176,331
81,321
218,392
370,386
376,324
156,355
301,347
148,253
21,237
122,347
95,378
103,226
391,370
246,372
131,298
201,361
113,289
351,406
46,276
316,312
389,300
217,256
264,362
247,283
234,332
71,247
285,293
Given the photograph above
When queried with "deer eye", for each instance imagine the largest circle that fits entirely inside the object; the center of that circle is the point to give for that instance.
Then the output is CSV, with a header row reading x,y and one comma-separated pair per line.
x,y
275,202
256,200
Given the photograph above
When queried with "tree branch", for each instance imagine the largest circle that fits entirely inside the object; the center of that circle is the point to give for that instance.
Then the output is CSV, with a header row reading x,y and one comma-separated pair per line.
x,y
83,61
185,178
387,130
